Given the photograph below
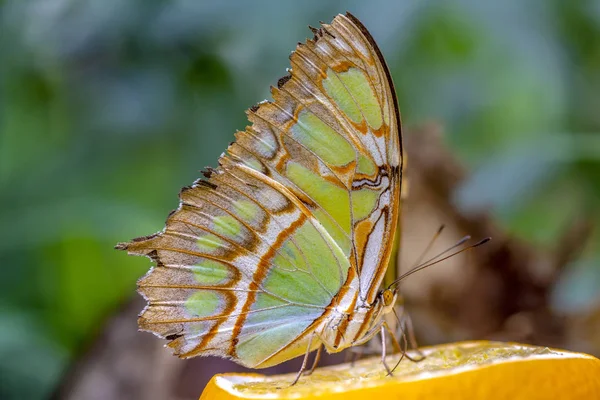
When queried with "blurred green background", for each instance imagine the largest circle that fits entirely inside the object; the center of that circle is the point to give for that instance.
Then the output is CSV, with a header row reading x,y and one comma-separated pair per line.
x,y
108,107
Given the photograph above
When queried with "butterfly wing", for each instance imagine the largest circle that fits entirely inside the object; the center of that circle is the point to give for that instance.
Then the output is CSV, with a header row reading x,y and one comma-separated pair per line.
x,y
332,136
304,201
242,269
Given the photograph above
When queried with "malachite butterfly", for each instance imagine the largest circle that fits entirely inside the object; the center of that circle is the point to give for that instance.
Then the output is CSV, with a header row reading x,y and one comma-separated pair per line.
x,y
283,248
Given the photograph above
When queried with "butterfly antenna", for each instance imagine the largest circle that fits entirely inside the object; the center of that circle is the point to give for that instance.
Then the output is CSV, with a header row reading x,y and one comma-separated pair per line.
x,y
435,260
418,265
429,245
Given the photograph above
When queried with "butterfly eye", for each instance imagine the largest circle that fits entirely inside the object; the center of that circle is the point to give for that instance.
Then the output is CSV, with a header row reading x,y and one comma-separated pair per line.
x,y
388,297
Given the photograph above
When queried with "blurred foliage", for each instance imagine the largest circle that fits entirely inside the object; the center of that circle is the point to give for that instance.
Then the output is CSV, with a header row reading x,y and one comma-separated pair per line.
x,y
108,107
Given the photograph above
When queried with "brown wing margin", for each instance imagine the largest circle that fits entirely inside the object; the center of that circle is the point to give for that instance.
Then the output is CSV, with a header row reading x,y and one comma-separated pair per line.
x,y
392,271
388,75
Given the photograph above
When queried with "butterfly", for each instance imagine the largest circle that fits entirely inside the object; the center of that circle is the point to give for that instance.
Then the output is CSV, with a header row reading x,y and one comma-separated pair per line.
x,y
282,249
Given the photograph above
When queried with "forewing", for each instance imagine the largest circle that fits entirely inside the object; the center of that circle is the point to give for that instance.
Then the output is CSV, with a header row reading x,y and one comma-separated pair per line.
x,y
332,136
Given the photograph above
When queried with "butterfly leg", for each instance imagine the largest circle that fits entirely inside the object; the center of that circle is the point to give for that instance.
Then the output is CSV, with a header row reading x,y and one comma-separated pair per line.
x,y
410,332
403,351
353,354
395,343
315,362
303,367
407,330
357,355
384,351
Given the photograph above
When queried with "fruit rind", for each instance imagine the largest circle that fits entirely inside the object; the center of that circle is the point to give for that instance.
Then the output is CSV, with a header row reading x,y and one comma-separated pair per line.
x,y
490,370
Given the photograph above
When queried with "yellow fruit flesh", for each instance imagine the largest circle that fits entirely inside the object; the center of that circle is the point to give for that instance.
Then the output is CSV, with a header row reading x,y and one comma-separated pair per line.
x,y
468,370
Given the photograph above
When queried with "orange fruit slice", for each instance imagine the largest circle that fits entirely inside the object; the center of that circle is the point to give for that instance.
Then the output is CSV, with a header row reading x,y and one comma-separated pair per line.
x,y
465,370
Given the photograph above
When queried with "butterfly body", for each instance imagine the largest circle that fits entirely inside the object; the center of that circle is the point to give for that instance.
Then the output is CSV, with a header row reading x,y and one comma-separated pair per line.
x,y
284,246
354,326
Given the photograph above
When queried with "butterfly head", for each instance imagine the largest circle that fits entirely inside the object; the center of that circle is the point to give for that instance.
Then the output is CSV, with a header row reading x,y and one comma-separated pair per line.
x,y
388,298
